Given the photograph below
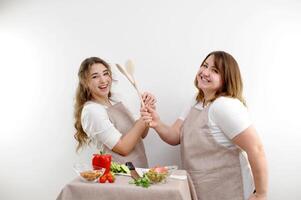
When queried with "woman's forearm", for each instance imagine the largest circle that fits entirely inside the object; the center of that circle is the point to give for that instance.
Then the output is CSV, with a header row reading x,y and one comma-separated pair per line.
x,y
250,142
169,134
258,165
128,141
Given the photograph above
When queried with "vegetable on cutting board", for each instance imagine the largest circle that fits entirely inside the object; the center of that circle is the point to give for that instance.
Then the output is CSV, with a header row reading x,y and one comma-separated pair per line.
x,y
119,168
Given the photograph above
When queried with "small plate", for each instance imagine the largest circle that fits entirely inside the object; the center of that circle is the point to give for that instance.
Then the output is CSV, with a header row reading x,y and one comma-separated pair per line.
x,y
122,174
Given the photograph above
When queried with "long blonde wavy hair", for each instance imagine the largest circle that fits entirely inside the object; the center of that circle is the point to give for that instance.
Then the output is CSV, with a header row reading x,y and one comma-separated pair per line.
x,y
82,96
231,77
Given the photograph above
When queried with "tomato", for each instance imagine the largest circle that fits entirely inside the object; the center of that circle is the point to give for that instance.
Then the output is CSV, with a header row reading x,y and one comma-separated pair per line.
x,y
160,169
110,178
102,179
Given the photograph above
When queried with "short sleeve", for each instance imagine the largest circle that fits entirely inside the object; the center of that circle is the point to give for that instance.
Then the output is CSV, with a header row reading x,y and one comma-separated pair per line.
x,y
230,115
96,123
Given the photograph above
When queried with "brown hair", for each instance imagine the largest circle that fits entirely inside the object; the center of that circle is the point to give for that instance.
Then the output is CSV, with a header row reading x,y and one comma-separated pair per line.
x,y
82,96
231,77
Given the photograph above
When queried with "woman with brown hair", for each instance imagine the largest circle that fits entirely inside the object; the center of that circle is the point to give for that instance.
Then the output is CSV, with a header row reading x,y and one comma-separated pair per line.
x,y
103,119
220,148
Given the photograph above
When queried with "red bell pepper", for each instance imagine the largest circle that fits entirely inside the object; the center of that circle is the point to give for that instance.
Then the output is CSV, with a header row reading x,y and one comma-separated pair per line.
x,y
100,161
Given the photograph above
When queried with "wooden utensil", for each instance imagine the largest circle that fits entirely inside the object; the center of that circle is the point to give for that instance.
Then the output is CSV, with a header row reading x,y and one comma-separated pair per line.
x,y
129,74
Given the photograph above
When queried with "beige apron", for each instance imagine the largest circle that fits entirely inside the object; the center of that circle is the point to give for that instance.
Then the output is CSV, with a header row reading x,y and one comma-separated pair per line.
x,y
214,169
123,122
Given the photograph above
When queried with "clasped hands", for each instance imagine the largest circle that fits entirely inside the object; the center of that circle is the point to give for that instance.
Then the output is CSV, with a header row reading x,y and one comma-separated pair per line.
x,y
148,111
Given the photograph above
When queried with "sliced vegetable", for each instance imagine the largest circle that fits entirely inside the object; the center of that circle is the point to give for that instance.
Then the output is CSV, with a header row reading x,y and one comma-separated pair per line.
x,y
119,168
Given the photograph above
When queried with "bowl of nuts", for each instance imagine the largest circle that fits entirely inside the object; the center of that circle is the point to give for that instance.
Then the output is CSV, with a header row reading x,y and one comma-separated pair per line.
x,y
87,173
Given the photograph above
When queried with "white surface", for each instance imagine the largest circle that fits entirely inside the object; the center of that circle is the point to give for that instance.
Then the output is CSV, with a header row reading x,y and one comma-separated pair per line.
x,y
43,43
179,177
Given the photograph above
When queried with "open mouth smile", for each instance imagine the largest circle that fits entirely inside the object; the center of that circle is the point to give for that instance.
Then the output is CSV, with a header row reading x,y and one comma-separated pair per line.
x,y
103,87
205,80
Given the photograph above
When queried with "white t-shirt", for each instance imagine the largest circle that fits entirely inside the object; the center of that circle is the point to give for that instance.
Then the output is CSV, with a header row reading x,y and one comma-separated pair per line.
x,y
227,118
94,117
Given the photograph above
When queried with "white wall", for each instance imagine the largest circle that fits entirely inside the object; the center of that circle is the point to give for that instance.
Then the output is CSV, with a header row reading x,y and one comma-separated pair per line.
x,y
43,43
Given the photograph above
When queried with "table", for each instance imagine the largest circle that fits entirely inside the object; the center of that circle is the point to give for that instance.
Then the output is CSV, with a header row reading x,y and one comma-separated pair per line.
x,y
174,189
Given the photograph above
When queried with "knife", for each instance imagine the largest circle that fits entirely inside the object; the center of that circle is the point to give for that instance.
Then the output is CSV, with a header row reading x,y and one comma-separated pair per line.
x,y
133,171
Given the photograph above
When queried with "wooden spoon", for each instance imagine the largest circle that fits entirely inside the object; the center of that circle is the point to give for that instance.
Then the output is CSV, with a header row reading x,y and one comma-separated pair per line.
x,y
129,74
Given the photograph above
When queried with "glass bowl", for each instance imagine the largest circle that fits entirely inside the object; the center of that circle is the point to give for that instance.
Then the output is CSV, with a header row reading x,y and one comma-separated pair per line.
x,y
158,174
87,173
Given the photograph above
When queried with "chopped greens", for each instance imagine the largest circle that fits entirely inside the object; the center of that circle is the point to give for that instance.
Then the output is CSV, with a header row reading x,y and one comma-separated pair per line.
x,y
143,182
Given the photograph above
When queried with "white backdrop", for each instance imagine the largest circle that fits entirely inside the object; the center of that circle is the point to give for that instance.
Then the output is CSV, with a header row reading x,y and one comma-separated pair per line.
x,y
43,43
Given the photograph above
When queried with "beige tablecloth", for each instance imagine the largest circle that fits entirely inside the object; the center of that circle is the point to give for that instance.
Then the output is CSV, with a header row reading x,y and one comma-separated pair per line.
x,y
121,189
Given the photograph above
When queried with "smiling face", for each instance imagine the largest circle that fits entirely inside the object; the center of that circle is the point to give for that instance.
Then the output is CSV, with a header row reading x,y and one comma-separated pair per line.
x,y
209,78
99,81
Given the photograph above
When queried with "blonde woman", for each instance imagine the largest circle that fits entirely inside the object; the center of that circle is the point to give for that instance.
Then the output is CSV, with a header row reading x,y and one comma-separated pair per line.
x,y
220,148
103,119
